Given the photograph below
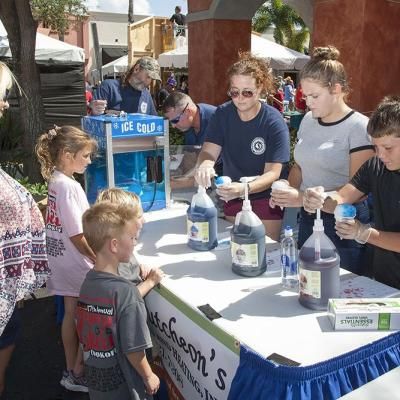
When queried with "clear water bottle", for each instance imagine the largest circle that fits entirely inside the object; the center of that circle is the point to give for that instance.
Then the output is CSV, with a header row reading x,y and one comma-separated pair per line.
x,y
289,260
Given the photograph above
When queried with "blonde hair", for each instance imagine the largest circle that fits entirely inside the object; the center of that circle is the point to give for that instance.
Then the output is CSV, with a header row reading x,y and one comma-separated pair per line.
x,y
119,196
104,221
325,68
254,67
51,144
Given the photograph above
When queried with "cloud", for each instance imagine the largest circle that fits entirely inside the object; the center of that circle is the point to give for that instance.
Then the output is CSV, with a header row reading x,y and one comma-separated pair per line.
x,y
119,6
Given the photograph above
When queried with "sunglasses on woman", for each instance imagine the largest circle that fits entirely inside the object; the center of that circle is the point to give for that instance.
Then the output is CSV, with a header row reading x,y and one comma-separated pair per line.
x,y
178,117
247,93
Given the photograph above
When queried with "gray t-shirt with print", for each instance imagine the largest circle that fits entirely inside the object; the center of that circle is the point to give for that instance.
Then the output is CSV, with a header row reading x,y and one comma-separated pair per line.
x,y
111,322
323,149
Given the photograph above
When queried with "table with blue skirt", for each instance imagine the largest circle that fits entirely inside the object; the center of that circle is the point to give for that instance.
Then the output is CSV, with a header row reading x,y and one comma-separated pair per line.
x,y
223,336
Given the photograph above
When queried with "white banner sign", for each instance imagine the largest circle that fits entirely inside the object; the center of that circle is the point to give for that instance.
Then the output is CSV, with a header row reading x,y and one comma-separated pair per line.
x,y
200,365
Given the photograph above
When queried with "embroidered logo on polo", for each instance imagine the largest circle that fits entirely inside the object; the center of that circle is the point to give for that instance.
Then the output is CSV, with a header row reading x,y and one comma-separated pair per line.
x,y
143,107
258,146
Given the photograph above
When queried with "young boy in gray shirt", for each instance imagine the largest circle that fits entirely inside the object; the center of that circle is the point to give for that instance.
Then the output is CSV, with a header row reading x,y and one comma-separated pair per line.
x,y
111,314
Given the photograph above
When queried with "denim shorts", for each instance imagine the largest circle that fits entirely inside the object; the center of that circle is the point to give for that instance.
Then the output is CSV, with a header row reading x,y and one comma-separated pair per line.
x,y
11,331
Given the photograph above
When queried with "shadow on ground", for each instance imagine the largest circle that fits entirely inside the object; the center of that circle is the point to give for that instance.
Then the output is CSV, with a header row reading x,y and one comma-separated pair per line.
x,y
38,360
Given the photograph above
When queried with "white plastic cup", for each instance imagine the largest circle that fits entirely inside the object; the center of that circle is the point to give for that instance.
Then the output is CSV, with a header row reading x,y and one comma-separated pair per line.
x,y
222,181
279,185
345,212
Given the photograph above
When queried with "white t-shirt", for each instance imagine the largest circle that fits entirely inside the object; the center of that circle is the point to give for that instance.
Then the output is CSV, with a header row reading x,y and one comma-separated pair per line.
x,y
323,149
66,204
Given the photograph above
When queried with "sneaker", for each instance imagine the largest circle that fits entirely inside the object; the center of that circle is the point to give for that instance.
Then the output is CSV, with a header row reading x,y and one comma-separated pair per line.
x,y
74,383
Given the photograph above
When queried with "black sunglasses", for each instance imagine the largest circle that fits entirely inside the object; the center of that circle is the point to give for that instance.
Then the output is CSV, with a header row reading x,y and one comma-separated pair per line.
x,y
178,117
233,93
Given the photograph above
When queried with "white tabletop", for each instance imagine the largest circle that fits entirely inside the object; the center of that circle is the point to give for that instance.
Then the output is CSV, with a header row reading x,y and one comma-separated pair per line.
x,y
256,311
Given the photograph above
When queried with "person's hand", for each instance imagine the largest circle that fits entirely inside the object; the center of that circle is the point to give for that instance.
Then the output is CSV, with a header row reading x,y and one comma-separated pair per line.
x,y
204,173
98,107
152,384
155,275
353,229
144,271
231,191
313,199
289,197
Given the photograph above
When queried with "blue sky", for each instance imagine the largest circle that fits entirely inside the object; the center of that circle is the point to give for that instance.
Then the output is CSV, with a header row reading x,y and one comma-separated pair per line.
x,y
160,8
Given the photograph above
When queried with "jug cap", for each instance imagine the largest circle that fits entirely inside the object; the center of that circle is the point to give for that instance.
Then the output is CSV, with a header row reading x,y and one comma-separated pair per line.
x,y
246,205
318,225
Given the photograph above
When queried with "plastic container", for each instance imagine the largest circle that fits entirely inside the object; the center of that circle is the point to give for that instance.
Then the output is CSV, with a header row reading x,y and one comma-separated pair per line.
x,y
289,260
222,181
319,270
345,212
202,222
248,242
281,184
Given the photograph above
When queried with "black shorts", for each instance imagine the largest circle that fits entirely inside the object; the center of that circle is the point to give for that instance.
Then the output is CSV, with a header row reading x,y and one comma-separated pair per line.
x,y
11,331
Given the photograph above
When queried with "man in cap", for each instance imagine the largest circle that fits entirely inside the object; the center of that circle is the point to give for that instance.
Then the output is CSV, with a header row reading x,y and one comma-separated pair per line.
x,y
164,92
129,94
191,119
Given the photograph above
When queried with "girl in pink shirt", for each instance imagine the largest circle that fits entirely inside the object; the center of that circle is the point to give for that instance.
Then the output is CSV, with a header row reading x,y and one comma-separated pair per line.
x,y
62,152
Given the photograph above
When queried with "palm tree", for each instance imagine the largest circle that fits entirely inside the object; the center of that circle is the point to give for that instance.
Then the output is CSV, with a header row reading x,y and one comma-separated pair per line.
x,y
289,29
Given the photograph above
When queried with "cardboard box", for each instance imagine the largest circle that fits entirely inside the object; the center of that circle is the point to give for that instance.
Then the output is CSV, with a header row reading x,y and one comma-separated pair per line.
x,y
364,314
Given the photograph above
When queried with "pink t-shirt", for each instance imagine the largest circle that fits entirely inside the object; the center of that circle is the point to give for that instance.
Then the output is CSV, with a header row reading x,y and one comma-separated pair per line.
x,y
66,204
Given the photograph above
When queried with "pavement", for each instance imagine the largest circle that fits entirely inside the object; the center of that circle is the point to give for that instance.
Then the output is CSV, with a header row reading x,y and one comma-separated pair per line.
x,y
37,363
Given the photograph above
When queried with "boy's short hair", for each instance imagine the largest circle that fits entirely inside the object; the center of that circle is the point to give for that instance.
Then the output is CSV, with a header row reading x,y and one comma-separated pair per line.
x,y
106,220
385,120
120,196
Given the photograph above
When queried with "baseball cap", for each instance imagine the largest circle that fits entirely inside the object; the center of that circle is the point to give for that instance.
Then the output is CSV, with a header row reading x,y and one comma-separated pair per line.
x,y
151,66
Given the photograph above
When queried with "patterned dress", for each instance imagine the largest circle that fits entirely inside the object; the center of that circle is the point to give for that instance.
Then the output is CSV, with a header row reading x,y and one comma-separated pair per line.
x,y
23,258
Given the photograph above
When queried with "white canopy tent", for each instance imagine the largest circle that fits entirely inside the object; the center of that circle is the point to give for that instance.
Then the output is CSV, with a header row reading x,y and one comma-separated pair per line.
x,y
116,66
47,49
280,57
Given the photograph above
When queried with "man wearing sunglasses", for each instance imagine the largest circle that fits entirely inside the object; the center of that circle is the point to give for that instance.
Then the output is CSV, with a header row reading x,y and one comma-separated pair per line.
x,y
191,119
129,94
188,117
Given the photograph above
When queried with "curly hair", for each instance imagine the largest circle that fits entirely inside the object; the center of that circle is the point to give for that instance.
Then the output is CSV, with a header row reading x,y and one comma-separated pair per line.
x,y
255,67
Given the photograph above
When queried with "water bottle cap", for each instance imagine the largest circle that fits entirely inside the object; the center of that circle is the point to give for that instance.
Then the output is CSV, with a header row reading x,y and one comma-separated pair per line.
x,y
288,231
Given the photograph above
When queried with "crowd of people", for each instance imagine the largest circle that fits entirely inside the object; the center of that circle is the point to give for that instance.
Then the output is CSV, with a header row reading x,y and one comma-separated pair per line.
x,y
90,250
